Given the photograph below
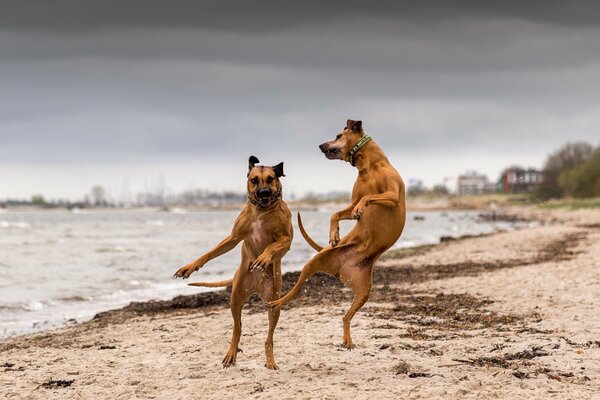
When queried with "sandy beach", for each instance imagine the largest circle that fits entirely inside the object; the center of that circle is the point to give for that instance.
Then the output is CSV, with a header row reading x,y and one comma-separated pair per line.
x,y
507,315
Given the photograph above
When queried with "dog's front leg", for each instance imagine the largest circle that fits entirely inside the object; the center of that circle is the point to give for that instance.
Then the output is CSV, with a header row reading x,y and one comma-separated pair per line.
x,y
334,224
387,199
274,251
226,245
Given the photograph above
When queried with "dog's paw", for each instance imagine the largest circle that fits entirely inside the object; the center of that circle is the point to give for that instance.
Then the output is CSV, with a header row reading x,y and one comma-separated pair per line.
x,y
347,344
358,211
261,262
334,238
185,271
230,358
274,304
271,365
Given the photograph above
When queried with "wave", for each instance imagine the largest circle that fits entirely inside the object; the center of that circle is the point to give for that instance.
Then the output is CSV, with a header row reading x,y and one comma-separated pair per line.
x,y
34,305
79,211
155,222
75,299
114,249
18,225
179,211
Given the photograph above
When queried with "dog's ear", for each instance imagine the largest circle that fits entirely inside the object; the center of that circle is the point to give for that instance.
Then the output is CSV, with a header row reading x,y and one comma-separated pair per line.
x,y
356,126
278,170
349,123
251,162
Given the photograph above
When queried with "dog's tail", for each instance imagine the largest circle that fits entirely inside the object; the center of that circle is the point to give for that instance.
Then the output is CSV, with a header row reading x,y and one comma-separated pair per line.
x,y
224,283
308,239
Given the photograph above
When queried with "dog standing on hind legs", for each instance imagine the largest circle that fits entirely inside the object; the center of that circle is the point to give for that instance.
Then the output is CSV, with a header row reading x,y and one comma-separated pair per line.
x,y
378,205
265,227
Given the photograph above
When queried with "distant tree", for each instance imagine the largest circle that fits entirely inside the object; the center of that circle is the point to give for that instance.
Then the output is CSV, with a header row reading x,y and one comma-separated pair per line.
x,y
583,180
440,189
38,200
567,157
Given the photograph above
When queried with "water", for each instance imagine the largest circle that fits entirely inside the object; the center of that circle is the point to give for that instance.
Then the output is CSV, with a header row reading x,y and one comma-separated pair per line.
x,y
57,266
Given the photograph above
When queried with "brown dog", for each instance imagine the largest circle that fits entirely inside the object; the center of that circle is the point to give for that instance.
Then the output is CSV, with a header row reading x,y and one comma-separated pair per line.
x,y
378,203
265,227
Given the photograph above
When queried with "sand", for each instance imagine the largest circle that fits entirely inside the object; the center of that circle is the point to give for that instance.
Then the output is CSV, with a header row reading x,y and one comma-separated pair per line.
x,y
509,315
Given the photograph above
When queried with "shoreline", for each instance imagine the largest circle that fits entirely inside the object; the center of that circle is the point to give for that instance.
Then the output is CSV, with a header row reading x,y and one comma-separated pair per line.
x,y
210,297
320,284
54,313
509,314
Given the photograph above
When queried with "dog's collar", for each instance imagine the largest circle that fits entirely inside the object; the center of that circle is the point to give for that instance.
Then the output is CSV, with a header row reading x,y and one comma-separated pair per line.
x,y
359,145
274,198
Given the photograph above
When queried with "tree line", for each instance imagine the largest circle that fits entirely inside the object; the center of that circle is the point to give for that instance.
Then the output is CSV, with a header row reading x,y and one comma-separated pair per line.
x,y
572,171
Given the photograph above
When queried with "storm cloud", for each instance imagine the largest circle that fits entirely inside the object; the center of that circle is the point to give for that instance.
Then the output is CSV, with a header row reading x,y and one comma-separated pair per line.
x,y
103,91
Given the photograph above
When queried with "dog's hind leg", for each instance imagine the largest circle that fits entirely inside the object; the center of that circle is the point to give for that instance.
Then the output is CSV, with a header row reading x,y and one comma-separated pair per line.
x,y
358,278
271,290
238,297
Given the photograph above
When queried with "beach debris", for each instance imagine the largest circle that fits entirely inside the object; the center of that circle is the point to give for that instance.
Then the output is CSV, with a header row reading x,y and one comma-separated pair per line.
x,y
404,368
107,347
258,388
56,384
381,336
526,354
504,361
558,250
585,345
444,239
8,366
419,375
521,375
401,368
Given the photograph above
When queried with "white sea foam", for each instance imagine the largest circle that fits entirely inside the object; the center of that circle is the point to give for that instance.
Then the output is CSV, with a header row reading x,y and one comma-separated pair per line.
x,y
155,222
176,210
17,224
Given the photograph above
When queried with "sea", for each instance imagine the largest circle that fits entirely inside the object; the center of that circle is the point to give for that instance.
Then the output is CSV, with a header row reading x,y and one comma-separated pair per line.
x,y
59,267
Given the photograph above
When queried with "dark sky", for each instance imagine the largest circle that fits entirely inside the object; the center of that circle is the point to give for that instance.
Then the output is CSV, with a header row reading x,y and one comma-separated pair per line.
x,y
131,93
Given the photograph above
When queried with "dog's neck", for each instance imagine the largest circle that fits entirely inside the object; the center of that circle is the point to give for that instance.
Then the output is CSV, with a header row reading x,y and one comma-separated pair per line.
x,y
369,155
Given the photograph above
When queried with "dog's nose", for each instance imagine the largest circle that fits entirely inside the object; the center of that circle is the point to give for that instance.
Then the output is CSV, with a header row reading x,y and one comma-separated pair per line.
x,y
264,192
323,147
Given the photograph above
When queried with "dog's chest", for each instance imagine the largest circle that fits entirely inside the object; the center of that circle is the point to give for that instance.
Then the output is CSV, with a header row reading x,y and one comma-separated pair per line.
x,y
255,231
258,236
364,185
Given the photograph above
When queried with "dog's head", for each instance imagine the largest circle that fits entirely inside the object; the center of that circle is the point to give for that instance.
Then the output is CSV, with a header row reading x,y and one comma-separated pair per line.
x,y
264,187
340,147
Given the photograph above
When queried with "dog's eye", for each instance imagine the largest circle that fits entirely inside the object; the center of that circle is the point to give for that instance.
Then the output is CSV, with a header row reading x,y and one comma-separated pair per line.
x,y
270,179
254,180
338,136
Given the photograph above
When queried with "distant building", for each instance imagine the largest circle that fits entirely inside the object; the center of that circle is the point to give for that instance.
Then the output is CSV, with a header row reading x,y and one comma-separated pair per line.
x,y
472,182
520,180
415,186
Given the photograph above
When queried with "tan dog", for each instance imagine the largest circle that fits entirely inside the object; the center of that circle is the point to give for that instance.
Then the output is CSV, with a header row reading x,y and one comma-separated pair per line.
x,y
378,203
265,227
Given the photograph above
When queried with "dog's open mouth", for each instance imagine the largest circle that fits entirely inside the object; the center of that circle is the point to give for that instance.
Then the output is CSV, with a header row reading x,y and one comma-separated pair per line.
x,y
265,201
332,153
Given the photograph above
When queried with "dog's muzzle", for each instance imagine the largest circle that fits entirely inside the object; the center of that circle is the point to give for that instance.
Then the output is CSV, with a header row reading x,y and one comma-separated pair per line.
x,y
329,151
264,197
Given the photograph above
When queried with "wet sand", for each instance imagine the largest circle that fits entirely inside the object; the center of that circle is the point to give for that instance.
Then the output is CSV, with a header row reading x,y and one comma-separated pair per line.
x,y
509,315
